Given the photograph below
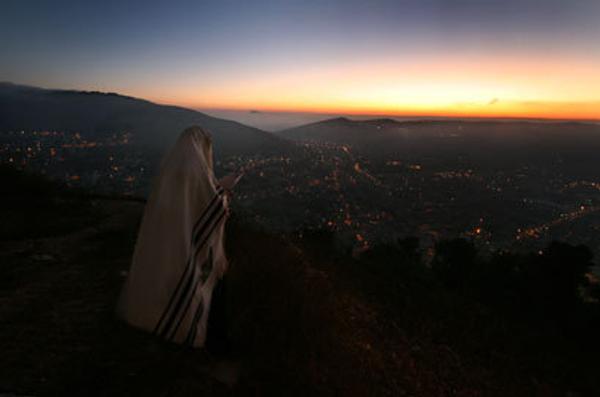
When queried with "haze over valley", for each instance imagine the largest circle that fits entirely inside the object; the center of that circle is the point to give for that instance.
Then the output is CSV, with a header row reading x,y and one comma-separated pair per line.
x,y
505,184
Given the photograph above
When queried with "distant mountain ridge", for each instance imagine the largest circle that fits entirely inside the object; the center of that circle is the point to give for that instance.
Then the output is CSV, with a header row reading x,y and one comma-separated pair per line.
x,y
93,112
343,130
487,143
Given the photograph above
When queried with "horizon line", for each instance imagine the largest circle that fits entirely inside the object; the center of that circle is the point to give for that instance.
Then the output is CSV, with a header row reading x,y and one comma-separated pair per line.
x,y
333,113
380,115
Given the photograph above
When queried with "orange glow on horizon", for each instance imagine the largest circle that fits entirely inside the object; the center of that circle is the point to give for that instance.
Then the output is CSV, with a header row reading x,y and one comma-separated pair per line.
x,y
534,110
498,87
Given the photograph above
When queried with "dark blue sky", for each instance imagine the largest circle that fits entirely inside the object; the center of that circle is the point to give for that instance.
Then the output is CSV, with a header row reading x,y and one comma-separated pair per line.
x,y
147,47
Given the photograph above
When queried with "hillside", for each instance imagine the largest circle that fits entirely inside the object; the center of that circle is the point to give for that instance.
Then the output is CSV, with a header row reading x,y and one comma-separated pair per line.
x,y
343,130
429,136
303,320
31,108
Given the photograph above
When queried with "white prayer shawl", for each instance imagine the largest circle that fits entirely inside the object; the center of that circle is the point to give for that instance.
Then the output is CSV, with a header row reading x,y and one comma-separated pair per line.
x,y
179,254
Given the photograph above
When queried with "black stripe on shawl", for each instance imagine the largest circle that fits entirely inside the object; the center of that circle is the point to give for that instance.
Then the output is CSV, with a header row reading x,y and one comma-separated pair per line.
x,y
201,220
205,271
189,299
208,226
189,340
194,325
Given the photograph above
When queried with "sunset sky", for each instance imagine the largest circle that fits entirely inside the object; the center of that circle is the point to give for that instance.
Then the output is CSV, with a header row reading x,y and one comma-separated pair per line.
x,y
513,58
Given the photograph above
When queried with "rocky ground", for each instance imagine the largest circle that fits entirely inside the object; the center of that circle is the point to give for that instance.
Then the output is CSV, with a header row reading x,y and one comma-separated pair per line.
x,y
299,323
60,335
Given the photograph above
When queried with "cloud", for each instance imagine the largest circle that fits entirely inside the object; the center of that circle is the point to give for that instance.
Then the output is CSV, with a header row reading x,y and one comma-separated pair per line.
x,y
494,101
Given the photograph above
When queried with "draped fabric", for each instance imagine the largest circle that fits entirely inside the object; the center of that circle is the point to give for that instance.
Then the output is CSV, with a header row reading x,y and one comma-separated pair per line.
x,y
179,254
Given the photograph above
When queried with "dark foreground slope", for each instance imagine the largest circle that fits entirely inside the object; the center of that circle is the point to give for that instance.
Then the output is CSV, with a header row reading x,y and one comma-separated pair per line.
x,y
302,321
96,113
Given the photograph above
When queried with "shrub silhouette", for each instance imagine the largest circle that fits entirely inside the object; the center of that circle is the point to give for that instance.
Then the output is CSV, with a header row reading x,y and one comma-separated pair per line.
x,y
552,281
455,263
543,286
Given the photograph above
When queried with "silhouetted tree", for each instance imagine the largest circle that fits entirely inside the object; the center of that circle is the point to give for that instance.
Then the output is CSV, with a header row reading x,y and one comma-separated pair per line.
x,y
395,259
320,241
455,262
498,280
595,292
554,278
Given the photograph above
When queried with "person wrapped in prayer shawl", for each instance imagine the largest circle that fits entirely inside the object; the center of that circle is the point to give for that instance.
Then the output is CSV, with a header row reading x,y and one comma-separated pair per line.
x,y
179,256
